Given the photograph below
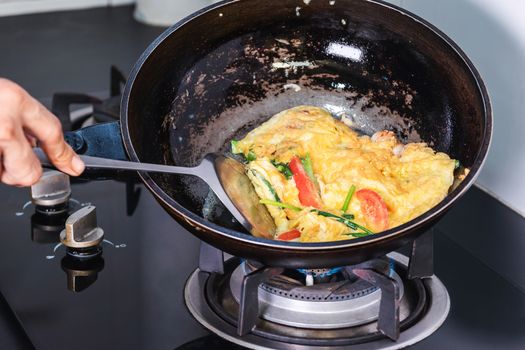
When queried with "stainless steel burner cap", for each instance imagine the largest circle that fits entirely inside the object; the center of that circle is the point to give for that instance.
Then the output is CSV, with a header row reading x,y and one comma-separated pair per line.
x,y
330,305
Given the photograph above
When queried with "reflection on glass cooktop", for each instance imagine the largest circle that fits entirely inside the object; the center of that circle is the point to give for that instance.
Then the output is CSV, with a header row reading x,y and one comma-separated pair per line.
x,y
130,297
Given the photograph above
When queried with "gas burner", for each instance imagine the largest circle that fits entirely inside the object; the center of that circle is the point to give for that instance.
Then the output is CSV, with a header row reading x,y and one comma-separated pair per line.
x,y
385,303
423,308
339,299
99,110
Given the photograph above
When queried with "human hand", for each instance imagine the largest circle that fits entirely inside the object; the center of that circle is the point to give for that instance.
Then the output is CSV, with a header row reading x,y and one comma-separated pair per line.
x,y
23,122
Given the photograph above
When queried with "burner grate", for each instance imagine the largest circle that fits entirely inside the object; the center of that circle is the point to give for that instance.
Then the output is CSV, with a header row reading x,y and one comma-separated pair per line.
x,y
293,304
215,307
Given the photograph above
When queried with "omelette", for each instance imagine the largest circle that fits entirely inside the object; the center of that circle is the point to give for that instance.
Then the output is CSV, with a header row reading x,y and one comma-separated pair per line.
x,y
322,181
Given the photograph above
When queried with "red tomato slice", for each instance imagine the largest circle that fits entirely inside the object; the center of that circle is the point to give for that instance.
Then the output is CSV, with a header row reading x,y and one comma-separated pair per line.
x,y
289,235
308,194
374,209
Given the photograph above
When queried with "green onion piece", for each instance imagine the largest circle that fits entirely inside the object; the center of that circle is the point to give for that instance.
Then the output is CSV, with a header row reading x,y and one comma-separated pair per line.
x,y
355,226
326,214
348,198
307,165
348,216
235,147
267,184
457,164
251,156
279,204
286,171
348,222
283,169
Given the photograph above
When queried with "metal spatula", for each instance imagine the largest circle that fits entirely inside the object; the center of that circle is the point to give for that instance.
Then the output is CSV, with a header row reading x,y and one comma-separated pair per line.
x,y
225,176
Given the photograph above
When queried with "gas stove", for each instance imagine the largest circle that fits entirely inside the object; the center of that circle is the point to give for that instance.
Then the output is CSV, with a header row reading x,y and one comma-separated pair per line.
x,y
386,303
99,264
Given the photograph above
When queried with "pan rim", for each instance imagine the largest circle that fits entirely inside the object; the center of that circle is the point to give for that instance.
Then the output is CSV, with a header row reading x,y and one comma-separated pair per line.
x,y
202,224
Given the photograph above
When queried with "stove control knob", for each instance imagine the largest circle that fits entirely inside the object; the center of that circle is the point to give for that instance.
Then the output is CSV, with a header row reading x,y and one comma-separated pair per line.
x,y
53,189
81,229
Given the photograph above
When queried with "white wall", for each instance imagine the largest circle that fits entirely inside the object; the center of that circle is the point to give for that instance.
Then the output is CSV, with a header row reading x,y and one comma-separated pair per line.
x,y
492,33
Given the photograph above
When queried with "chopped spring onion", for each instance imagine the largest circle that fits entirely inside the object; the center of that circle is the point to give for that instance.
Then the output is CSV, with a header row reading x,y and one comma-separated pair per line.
x,y
279,204
235,147
236,150
348,198
251,156
326,214
283,169
307,165
457,164
267,184
345,220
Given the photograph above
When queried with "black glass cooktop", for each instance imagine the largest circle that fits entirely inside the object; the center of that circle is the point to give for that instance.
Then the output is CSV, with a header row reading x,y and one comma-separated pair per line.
x,y
132,298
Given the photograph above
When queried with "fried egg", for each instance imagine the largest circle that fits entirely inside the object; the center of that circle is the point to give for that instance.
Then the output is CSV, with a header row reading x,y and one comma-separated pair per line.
x,y
388,183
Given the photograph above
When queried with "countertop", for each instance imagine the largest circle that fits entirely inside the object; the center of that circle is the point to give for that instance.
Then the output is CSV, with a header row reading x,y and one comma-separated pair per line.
x,y
71,51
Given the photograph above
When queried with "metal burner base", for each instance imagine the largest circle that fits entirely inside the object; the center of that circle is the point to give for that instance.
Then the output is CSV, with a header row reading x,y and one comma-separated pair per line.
x,y
435,312
328,305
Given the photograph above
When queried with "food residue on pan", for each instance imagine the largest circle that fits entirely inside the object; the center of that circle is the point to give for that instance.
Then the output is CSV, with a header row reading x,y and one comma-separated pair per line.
x,y
282,41
295,87
322,181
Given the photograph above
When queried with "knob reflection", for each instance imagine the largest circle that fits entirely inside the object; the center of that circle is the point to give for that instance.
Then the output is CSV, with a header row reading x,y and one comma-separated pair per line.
x,y
81,273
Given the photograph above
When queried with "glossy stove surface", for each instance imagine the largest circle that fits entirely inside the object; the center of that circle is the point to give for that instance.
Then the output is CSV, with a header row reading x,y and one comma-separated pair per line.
x,y
136,301
137,298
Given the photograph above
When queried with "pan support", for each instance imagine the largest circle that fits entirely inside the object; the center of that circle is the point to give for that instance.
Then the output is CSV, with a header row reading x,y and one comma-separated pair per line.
x,y
421,263
249,301
377,272
211,259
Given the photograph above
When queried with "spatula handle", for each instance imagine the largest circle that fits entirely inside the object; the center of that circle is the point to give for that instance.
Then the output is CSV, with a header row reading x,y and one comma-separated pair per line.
x,y
103,163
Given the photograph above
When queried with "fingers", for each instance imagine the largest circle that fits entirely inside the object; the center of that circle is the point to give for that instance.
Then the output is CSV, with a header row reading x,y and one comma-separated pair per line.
x,y
46,128
23,120
20,166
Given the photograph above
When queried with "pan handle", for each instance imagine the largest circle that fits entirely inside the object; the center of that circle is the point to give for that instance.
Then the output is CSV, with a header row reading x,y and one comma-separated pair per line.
x,y
102,140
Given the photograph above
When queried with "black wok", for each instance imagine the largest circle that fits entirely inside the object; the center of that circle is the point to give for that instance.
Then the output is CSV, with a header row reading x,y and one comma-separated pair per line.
x,y
224,70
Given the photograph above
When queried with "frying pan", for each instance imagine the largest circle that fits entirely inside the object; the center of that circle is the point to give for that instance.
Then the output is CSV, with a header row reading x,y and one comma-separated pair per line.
x,y
226,69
